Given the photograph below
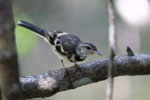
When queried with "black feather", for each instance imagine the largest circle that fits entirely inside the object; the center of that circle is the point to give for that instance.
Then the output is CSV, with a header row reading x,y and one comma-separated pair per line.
x,y
58,49
52,40
77,58
32,27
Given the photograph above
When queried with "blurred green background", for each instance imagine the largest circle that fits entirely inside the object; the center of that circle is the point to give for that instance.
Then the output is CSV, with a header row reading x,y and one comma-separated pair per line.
x,y
88,20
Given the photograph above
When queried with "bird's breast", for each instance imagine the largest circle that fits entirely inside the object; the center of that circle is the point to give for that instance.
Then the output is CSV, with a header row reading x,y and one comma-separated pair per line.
x,y
76,58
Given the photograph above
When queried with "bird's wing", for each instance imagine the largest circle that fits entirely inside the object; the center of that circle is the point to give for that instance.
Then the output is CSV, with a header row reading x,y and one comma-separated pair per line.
x,y
69,43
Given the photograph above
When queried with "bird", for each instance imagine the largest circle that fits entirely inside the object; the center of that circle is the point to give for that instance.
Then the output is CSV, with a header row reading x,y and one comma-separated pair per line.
x,y
67,47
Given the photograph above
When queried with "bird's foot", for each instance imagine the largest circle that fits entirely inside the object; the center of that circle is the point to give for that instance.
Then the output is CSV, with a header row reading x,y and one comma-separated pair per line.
x,y
69,79
78,69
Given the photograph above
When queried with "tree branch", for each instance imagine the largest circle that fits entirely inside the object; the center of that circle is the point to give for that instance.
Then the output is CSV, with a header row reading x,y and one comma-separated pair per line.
x,y
111,32
52,82
10,86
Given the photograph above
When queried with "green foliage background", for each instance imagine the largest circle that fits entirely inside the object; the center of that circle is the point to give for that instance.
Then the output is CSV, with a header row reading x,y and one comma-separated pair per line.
x,y
25,39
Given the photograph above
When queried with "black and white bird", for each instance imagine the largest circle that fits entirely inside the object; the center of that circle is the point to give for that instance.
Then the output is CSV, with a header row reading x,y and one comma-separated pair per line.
x,y
66,46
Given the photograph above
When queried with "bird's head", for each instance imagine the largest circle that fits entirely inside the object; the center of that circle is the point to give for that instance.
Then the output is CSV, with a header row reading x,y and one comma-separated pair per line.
x,y
88,49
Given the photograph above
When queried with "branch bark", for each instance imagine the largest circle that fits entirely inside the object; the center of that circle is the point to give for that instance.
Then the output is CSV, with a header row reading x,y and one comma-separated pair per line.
x,y
10,87
52,82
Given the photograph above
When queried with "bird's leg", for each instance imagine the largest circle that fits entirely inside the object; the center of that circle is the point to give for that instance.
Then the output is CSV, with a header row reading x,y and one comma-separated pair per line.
x,y
67,73
77,67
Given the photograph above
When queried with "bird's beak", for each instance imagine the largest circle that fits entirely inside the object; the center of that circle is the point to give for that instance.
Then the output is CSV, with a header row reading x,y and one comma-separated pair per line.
x,y
97,52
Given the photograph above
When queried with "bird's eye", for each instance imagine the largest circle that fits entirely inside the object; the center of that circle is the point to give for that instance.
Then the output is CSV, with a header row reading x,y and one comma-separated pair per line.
x,y
88,47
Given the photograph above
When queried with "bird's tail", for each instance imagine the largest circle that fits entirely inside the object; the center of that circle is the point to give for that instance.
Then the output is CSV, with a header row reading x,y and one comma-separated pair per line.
x,y
37,30
47,35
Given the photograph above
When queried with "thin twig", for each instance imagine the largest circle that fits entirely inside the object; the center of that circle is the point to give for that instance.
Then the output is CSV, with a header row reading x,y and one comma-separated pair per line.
x,y
111,31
